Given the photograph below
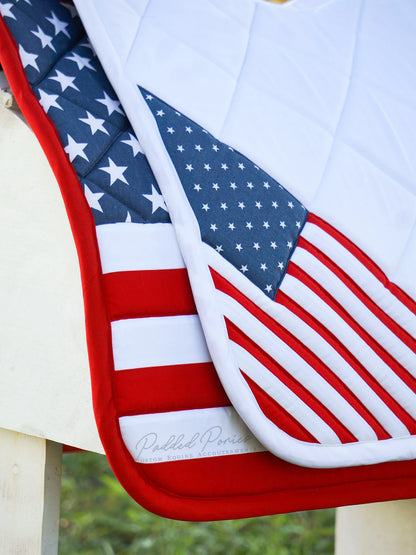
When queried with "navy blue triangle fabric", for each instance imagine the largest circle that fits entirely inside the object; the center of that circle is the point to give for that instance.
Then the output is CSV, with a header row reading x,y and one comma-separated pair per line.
x,y
243,213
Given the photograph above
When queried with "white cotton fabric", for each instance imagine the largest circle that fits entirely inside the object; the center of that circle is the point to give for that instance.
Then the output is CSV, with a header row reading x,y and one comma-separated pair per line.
x,y
128,247
158,341
187,434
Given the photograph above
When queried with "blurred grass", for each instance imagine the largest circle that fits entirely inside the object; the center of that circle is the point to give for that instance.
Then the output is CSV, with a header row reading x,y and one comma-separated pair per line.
x,y
98,517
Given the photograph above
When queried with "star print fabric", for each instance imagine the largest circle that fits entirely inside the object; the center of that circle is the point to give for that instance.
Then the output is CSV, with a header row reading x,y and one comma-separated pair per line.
x,y
244,214
75,93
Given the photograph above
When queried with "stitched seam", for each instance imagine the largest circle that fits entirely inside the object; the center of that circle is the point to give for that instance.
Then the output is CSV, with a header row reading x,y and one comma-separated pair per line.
x,y
238,79
347,92
133,42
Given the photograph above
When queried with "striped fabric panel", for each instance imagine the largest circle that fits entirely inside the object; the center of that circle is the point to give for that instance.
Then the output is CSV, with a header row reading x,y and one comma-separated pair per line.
x,y
171,404
338,328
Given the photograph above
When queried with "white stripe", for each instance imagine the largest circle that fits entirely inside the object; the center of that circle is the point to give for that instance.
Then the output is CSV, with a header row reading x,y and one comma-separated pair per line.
x,y
128,247
355,308
313,304
297,367
388,302
187,434
163,341
284,396
315,342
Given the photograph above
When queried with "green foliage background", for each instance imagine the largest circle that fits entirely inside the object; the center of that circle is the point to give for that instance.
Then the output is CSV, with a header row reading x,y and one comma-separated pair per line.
x,y
98,517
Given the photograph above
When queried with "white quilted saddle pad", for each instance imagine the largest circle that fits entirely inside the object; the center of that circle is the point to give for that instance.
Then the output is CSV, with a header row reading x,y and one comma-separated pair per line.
x,y
282,139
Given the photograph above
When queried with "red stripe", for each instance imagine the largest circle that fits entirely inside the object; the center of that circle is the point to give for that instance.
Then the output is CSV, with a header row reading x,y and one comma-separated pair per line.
x,y
365,260
276,413
285,377
310,357
330,338
148,293
402,334
302,276
168,388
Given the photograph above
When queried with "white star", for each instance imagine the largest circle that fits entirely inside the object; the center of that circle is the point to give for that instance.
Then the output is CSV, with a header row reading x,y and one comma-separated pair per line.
x,y
128,218
80,61
266,184
149,97
250,185
290,204
157,200
224,166
289,244
233,186
263,267
213,227
134,143
115,172
268,288
266,225
64,80
197,187
282,225
256,246
180,148
249,225
224,205
244,268
298,225
214,147
5,10
215,186
160,113
170,130
274,204
280,266
258,204
231,226
74,149
205,207
219,248
28,59
198,148
241,166
239,247
111,104
93,198
207,167
273,245
241,205
95,124
59,26
189,167
45,39
188,129
48,101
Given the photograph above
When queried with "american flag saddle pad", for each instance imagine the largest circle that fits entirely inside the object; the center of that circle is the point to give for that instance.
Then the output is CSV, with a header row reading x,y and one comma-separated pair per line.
x,y
244,205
